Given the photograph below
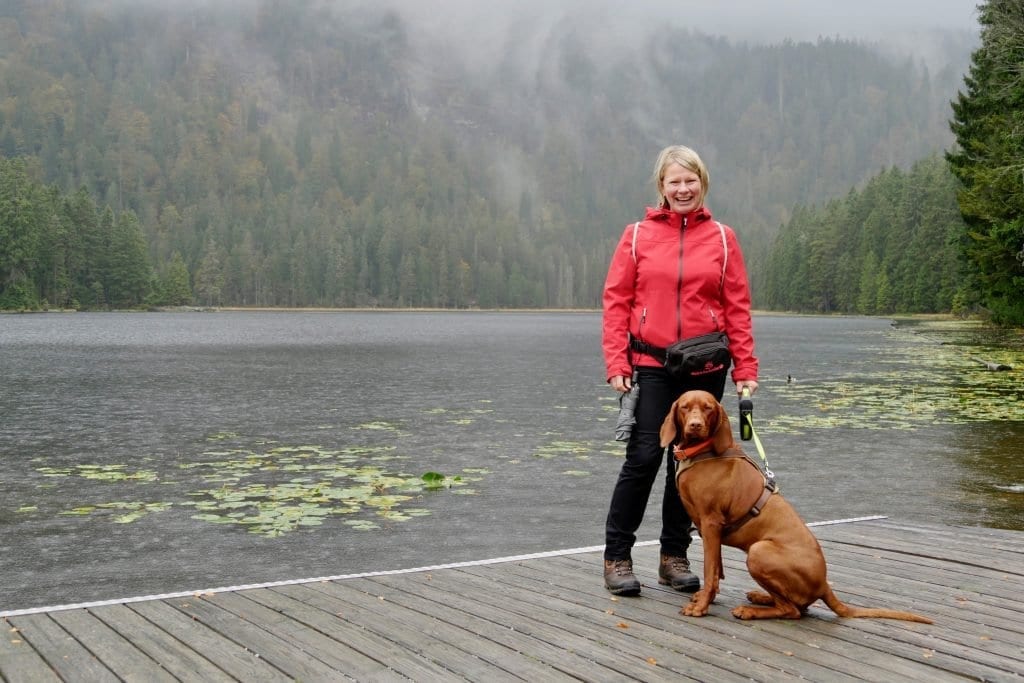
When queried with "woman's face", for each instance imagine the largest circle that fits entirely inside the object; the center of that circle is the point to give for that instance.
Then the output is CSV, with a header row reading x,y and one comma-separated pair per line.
x,y
681,189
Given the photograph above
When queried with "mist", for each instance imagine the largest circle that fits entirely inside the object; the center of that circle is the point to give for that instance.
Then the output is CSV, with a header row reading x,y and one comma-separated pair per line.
x,y
480,32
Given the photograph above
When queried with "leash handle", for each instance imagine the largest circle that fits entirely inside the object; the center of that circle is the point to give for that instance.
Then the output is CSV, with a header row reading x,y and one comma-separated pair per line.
x,y
746,415
747,433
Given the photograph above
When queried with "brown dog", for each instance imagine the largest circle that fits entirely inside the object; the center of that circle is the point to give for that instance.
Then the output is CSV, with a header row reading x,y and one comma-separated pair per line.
x,y
729,500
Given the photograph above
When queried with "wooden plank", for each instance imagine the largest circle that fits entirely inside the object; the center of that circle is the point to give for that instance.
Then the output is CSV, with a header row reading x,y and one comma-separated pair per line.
x,y
865,584
604,653
893,649
550,618
184,663
927,542
530,650
825,646
927,648
403,662
60,650
893,631
936,536
405,630
994,592
432,644
329,645
592,617
965,563
760,643
611,657
997,587
126,661
926,592
269,647
944,649
18,661
497,644
234,659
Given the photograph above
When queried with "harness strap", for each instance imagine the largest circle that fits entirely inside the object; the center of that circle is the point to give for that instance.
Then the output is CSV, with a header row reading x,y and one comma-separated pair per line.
x,y
769,490
685,462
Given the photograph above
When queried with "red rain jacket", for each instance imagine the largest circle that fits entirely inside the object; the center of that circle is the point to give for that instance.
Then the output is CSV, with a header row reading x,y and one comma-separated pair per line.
x,y
671,291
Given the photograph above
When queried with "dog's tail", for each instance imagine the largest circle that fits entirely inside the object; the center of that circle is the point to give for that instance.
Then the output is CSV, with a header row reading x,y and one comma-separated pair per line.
x,y
844,610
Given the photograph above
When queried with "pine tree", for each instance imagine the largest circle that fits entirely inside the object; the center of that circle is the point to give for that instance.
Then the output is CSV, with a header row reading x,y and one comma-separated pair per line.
x,y
20,232
988,123
174,286
210,276
128,272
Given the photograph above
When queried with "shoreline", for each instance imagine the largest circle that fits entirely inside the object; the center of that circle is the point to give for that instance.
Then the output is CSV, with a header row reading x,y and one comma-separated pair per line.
x,y
377,309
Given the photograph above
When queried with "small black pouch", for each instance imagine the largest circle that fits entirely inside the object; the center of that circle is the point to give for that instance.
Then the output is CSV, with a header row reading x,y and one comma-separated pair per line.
x,y
698,356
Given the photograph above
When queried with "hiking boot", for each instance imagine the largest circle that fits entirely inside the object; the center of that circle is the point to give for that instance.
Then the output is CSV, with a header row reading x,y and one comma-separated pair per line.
x,y
619,579
675,572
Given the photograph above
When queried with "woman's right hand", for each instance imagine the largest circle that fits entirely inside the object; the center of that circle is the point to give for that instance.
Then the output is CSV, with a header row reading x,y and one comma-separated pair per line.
x,y
621,383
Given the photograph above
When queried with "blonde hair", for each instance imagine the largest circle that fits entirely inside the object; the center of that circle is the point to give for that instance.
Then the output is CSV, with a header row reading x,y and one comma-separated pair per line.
x,y
688,159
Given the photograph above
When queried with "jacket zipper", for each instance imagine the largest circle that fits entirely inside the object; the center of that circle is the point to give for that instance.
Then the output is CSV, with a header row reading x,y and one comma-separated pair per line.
x,y
679,283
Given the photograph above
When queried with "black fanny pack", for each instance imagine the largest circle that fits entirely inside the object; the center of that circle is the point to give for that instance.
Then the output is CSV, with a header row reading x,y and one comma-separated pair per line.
x,y
691,358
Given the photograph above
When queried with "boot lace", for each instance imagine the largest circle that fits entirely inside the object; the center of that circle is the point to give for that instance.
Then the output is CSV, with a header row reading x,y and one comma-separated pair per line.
x,y
622,567
677,565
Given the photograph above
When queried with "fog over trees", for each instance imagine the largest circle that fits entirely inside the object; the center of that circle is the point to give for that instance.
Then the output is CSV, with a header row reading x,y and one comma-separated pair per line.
x,y
350,154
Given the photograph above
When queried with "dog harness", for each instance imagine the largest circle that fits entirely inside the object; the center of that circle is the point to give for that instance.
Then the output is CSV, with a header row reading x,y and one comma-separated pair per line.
x,y
699,452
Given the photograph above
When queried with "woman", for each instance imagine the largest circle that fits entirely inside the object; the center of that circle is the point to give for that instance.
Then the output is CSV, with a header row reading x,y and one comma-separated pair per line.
x,y
677,274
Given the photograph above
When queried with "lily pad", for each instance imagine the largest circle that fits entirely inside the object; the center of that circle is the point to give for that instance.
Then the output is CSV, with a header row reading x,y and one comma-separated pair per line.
x,y
931,376
274,491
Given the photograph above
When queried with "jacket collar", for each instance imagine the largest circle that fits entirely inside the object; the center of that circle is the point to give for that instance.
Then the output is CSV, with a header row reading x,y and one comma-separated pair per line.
x,y
656,213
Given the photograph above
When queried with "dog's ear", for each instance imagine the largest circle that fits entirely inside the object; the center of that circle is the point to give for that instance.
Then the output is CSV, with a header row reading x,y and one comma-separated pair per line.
x,y
722,438
669,430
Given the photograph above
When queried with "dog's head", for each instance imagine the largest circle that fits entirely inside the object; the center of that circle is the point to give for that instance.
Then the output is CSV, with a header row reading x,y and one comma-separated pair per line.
x,y
694,417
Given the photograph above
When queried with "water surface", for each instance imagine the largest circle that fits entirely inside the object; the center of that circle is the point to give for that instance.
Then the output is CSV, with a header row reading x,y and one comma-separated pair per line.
x,y
117,429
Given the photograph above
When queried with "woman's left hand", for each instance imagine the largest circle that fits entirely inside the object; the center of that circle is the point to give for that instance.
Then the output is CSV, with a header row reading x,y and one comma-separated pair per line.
x,y
746,384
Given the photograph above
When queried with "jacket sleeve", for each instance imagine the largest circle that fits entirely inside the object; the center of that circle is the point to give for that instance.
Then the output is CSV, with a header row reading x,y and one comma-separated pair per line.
x,y
736,303
619,294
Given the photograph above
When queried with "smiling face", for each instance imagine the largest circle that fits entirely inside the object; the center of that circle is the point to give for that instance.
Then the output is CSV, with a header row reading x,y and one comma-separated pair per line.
x,y
682,189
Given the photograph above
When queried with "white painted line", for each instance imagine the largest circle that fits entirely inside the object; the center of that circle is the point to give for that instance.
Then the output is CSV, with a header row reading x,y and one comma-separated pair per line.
x,y
339,577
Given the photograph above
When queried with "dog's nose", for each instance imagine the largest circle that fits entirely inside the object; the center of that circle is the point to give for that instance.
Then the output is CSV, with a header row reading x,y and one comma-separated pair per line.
x,y
693,422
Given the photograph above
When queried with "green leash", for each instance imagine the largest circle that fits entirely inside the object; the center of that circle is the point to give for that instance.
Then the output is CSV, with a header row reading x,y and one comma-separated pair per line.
x,y
747,429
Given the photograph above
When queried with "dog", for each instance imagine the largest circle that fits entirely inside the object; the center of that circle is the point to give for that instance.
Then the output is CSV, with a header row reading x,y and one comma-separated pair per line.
x,y
731,501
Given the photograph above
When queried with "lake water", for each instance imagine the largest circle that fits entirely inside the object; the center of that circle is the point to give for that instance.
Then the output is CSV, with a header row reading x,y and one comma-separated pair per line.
x,y
159,452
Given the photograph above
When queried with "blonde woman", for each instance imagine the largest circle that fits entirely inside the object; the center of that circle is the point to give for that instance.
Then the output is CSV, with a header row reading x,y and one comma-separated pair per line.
x,y
676,274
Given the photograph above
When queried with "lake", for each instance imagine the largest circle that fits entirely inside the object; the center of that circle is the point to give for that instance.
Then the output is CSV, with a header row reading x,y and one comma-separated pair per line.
x,y
148,453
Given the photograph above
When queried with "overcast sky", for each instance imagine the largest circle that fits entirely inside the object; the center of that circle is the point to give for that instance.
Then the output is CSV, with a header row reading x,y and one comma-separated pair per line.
x,y
772,20
480,28
808,19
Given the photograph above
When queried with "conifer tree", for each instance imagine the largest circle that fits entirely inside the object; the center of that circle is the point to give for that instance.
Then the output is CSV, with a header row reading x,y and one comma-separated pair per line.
x,y
175,287
988,123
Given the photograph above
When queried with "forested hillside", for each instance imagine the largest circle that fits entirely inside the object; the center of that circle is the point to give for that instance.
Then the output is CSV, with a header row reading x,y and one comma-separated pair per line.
x,y
889,248
305,154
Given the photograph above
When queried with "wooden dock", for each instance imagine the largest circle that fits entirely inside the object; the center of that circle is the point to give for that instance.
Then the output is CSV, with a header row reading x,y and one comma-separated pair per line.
x,y
547,617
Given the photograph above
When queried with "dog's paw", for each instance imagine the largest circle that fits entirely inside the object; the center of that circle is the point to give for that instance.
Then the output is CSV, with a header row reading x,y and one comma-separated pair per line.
x,y
760,598
775,612
698,605
692,610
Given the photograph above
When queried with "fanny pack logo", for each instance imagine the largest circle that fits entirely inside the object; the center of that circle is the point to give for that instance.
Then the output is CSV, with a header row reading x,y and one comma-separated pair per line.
x,y
709,368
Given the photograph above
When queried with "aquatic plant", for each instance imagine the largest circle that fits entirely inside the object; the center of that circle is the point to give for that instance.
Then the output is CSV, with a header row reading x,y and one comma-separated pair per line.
x,y
245,487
